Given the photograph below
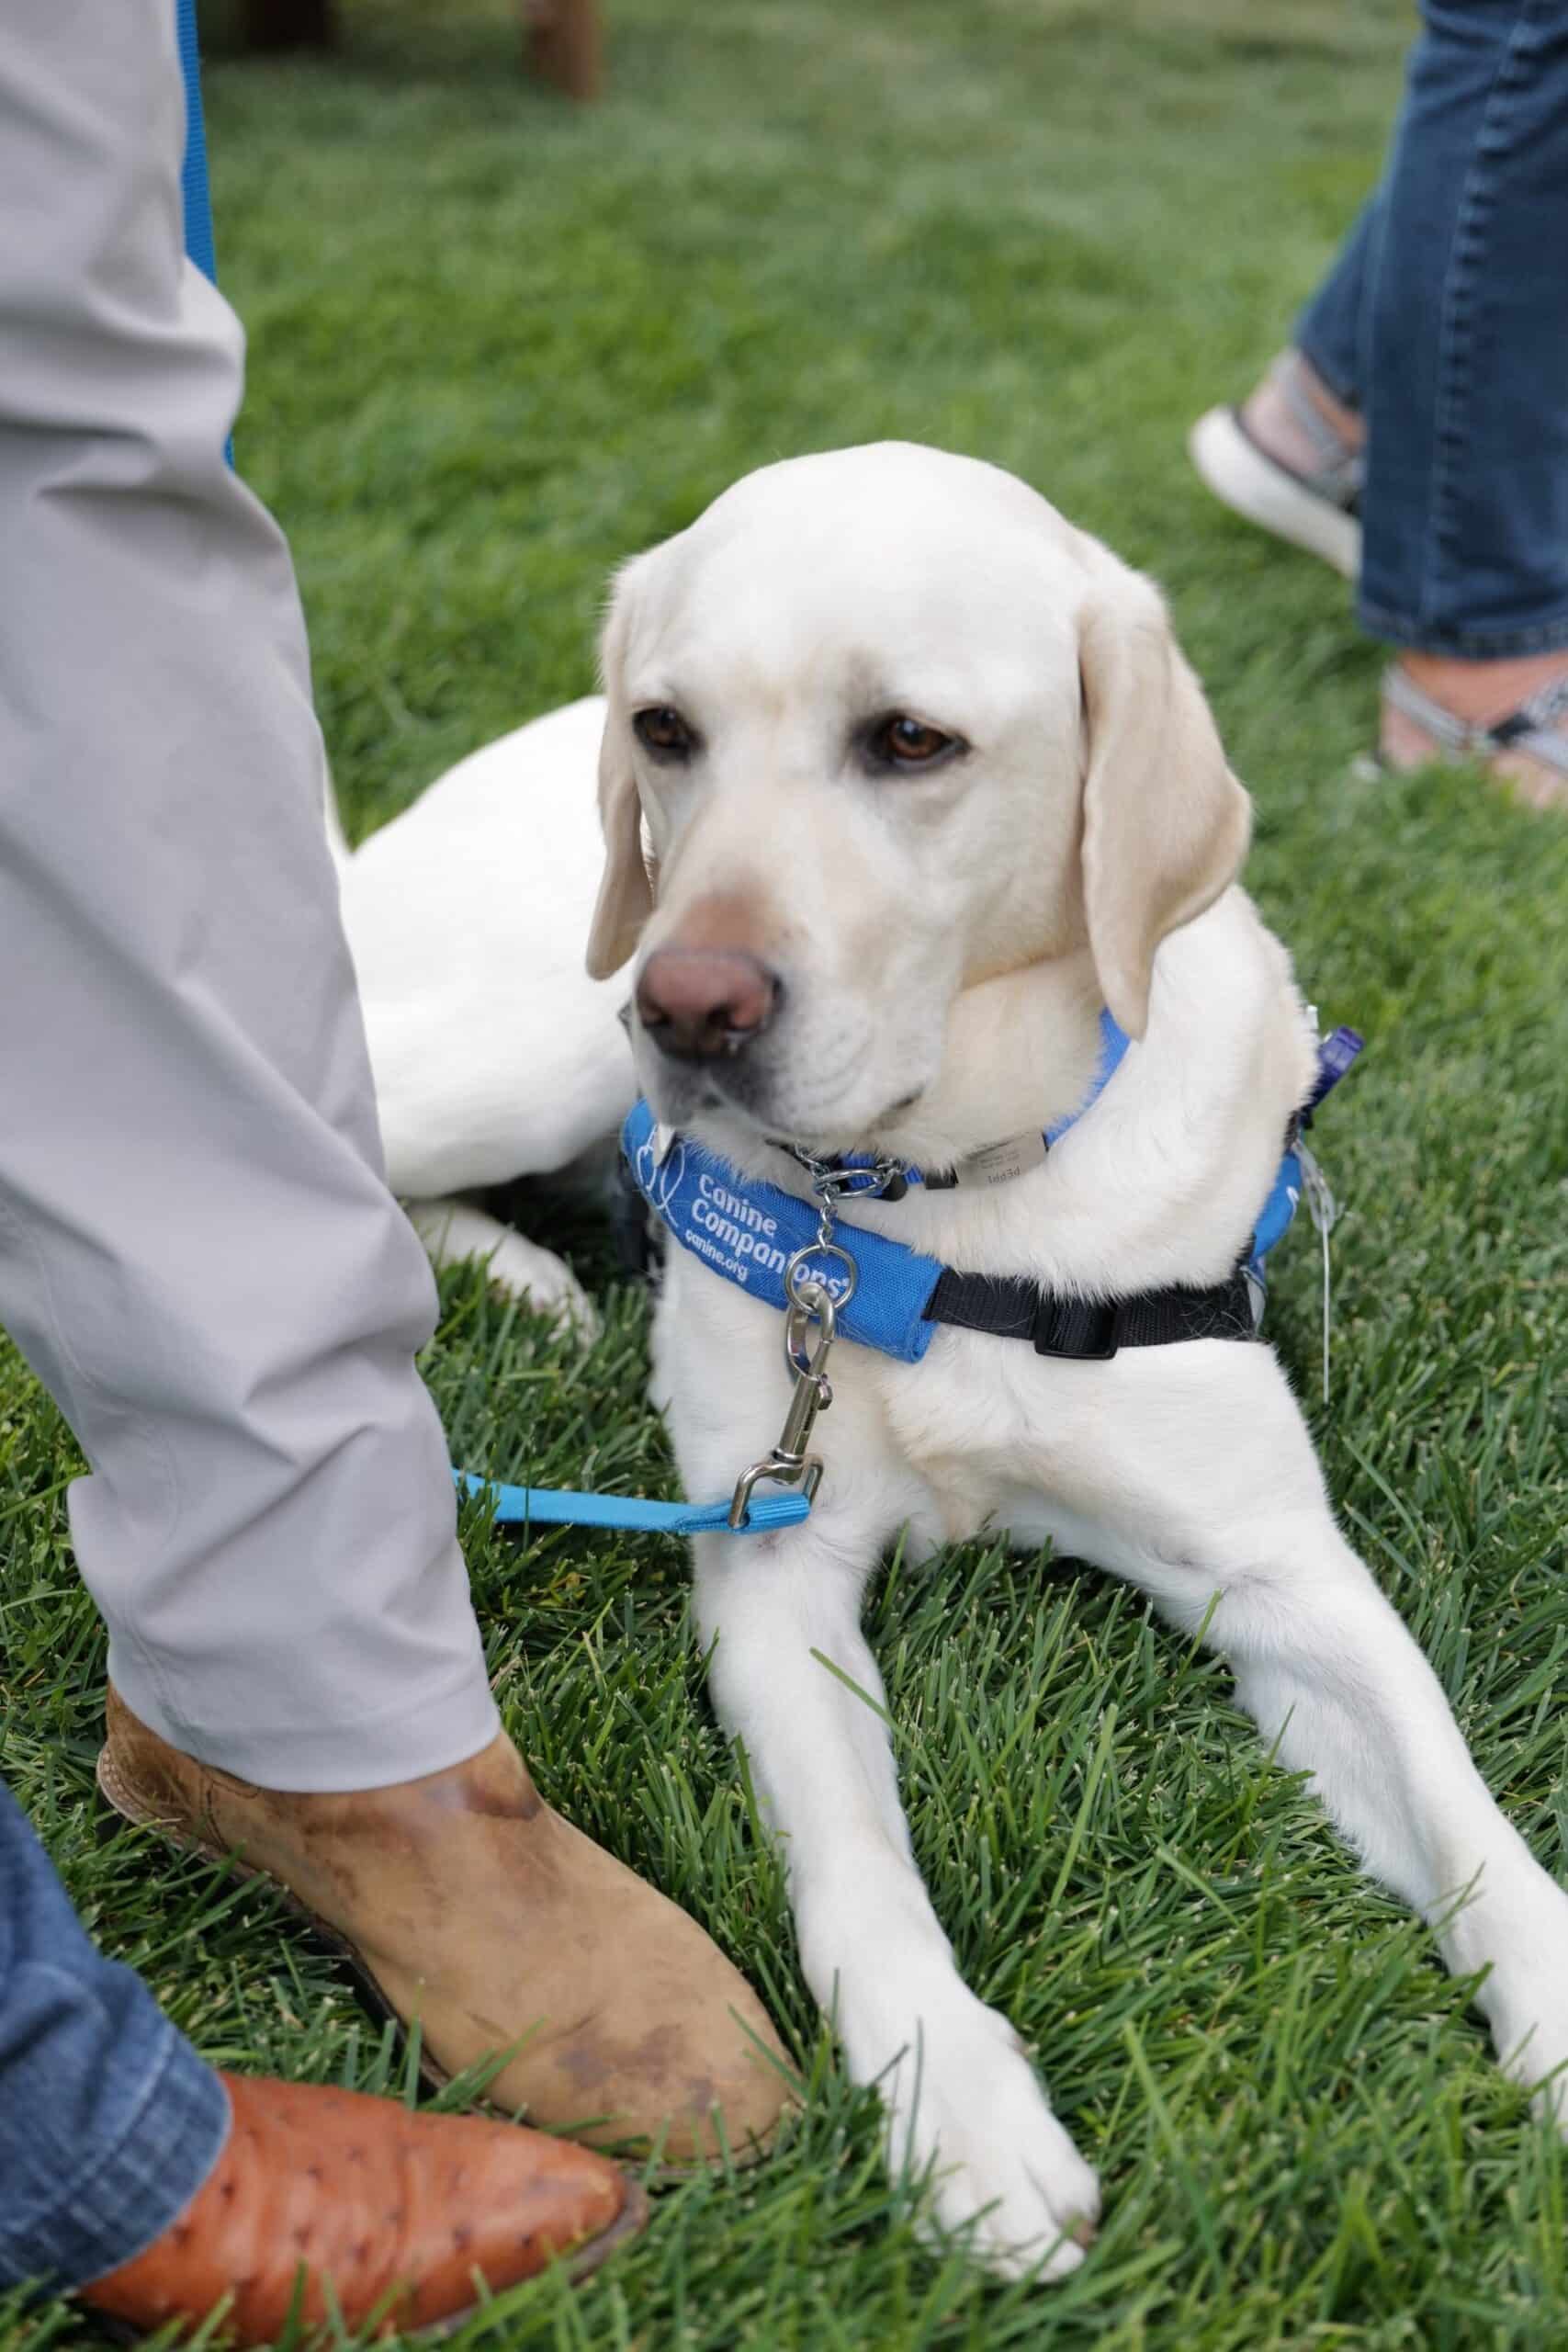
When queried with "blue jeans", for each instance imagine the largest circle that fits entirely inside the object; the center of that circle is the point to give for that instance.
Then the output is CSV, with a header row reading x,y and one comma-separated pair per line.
x,y
1445,321
110,2122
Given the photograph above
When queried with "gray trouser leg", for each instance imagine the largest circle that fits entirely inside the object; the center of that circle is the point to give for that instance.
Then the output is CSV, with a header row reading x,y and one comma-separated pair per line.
x,y
197,1250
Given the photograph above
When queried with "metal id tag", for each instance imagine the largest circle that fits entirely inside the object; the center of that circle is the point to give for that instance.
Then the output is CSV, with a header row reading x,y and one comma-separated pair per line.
x,y
1001,1162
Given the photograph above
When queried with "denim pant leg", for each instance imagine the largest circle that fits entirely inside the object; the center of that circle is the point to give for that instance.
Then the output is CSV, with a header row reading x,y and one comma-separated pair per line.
x,y
1332,330
110,2122
1446,317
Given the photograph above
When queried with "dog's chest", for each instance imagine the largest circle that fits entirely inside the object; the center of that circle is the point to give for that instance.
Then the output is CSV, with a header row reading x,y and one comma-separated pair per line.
x,y
976,1424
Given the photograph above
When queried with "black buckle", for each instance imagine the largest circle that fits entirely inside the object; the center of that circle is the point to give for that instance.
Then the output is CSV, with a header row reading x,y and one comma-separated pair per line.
x,y
1082,1330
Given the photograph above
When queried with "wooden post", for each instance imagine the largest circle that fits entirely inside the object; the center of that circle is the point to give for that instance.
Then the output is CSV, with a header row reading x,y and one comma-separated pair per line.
x,y
562,41
287,24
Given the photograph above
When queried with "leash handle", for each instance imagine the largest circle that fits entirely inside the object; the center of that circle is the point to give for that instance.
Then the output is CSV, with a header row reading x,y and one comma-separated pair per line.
x,y
559,1507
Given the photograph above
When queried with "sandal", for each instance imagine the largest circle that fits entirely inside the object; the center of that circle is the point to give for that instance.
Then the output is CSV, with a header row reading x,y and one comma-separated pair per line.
x,y
1318,510
1526,749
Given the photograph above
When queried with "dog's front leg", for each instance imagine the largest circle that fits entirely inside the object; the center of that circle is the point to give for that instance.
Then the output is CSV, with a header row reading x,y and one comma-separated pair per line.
x,y
1211,1499
794,1678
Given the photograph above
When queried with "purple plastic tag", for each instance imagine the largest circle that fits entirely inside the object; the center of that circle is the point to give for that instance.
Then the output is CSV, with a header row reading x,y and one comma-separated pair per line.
x,y
1336,1055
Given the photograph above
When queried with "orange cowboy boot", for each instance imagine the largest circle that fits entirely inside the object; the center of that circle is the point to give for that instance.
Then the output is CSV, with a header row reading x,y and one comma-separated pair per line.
x,y
324,2200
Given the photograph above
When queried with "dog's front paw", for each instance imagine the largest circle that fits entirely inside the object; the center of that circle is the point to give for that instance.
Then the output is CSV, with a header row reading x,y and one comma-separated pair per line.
x,y
965,2108
1530,2032
1524,1996
544,1283
454,1230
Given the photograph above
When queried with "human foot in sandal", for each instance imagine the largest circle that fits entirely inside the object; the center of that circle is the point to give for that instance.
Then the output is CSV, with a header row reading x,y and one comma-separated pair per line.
x,y
1511,716
1290,460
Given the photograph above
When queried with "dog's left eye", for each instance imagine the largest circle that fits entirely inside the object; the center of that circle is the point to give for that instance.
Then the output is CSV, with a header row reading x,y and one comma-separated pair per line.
x,y
661,729
902,743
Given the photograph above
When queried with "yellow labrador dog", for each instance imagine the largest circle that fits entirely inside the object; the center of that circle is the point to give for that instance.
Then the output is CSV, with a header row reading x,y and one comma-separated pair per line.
x,y
904,781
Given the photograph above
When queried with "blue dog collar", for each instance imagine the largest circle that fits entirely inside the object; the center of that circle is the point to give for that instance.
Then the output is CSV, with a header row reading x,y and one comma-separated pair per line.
x,y
892,1299
889,1179
749,1232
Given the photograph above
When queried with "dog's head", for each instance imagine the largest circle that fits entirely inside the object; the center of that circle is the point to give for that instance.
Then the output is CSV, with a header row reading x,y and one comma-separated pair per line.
x,y
883,726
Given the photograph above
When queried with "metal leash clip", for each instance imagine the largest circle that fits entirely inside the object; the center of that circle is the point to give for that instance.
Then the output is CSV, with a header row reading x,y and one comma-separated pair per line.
x,y
811,1302
881,1178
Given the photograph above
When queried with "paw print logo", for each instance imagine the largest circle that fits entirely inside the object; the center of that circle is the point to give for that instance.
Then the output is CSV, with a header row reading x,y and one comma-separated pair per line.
x,y
669,1178
659,1177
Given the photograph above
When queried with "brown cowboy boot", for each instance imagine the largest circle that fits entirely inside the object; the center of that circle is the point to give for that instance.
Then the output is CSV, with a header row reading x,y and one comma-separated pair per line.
x,y
388,2215
463,1900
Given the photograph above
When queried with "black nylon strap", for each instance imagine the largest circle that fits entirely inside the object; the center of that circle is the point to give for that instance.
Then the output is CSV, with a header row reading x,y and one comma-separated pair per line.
x,y
1089,1330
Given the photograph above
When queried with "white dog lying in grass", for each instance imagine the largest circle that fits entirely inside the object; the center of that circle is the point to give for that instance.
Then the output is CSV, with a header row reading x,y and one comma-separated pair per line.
x,y
903,781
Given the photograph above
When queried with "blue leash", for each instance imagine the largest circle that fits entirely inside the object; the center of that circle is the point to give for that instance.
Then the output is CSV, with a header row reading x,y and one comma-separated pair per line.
x,y
558,1506
194,192
193,177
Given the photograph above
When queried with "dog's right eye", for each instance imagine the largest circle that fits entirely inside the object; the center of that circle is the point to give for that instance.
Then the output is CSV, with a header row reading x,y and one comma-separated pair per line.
x,y
662,731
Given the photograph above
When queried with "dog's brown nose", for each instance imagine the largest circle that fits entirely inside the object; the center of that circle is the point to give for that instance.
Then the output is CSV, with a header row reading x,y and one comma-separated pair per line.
x,y
698,1003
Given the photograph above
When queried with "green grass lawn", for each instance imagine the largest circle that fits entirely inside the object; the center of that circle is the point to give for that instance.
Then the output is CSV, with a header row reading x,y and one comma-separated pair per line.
x,y
495,345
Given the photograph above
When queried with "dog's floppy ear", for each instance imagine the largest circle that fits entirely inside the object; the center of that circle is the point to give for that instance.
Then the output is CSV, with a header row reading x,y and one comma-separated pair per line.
x,y
1164,822
625,889
626,892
